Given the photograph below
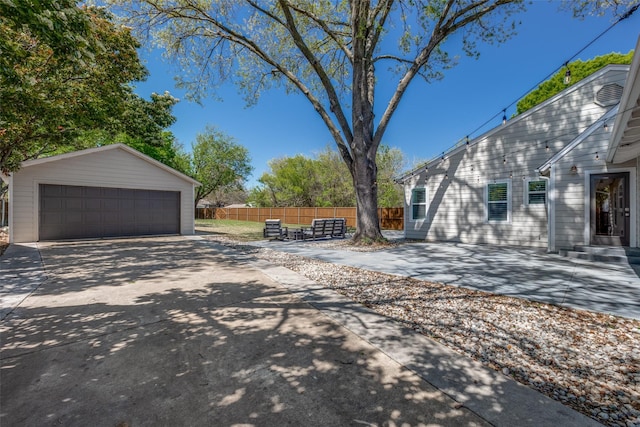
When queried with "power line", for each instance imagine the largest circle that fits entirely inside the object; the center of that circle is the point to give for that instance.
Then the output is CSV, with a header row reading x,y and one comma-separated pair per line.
x,y
508,151
624,16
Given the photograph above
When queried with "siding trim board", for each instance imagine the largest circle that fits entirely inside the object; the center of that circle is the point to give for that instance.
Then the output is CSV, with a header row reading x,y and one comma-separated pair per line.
x,y
633,201
551,210
584,135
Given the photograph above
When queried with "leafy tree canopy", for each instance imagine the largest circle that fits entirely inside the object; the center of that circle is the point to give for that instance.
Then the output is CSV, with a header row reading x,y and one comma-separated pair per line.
x,y
65,74
324,181
217,161
579,70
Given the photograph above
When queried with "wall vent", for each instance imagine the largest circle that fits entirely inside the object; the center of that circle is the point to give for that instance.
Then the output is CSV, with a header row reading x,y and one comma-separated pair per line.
x,y
609,95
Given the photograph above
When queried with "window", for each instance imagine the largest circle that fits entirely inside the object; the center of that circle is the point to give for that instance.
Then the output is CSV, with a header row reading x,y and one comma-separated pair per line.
x,y
537,192
419,203
498,206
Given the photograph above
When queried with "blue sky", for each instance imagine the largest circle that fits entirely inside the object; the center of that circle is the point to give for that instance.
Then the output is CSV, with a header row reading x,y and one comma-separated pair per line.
x,y
430,118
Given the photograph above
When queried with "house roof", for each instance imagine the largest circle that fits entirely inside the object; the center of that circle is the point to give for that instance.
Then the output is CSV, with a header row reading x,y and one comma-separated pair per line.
x,y
625,139
110,147
462,146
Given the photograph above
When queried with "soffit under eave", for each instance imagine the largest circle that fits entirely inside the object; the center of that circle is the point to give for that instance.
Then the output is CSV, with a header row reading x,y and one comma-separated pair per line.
x,y
624,143
627,146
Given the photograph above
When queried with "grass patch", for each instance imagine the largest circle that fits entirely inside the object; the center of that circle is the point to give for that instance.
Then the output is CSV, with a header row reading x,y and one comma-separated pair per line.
x,y
245,231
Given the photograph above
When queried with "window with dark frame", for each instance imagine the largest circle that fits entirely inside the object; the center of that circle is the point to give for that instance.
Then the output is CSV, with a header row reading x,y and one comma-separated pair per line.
x,y
537,192
419,203
498,201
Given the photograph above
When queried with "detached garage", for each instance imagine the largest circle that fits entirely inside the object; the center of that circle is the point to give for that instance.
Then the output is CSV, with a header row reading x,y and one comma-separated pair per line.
x,y
109,191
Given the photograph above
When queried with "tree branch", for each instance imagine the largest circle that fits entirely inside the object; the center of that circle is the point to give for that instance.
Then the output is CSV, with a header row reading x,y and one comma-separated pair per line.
x,y
323,25
334,100
382,10
440,33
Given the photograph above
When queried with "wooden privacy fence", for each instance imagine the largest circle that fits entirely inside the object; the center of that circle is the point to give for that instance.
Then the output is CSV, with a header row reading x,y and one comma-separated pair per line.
x,y
390,218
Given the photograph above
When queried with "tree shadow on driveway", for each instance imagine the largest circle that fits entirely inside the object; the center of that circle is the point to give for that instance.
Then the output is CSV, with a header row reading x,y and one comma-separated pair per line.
x,y
172,332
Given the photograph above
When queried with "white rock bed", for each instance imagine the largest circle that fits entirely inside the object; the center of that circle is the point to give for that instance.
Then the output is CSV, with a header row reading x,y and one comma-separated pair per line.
x,y
588,361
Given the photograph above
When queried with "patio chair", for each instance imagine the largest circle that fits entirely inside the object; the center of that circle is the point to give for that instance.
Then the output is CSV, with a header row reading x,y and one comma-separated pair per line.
x,y
273,228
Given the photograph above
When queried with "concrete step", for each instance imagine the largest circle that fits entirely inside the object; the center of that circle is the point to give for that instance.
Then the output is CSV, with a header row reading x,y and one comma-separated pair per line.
x,y
608,254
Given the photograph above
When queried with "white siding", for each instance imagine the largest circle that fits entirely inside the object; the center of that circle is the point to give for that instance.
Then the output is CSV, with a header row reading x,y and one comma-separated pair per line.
x,y
115,168
456,210
572,213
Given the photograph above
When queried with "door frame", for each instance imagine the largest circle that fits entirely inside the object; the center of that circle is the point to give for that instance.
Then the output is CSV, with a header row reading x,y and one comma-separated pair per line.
x,y
633,194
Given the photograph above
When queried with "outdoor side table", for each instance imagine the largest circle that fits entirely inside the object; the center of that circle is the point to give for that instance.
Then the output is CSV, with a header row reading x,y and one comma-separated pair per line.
x,y
294,234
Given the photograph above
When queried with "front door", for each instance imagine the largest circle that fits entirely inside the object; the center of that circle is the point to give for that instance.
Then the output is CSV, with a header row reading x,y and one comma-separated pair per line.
x,y
610,209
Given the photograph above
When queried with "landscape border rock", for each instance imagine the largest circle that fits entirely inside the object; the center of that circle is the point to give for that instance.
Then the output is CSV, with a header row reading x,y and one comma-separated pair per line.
x,y
585,360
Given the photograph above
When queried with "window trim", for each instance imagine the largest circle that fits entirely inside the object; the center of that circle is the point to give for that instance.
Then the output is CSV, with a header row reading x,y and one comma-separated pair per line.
x,y
486,201
426,203
527,193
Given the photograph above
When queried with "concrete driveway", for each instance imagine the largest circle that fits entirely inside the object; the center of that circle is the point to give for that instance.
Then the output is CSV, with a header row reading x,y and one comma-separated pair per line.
x,y
177,331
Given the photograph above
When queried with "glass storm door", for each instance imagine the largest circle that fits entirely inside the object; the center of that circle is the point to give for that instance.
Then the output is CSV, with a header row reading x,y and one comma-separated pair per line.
x,y
610,209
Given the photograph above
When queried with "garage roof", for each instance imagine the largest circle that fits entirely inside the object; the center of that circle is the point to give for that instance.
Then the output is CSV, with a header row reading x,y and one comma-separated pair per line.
x,y
118,146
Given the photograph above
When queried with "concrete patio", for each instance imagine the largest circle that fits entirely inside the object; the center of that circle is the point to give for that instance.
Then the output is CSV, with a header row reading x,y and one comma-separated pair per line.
x,y
523,273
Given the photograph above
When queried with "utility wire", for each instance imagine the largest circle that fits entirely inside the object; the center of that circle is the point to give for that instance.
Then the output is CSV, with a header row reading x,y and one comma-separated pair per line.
x,y
509,151
624,16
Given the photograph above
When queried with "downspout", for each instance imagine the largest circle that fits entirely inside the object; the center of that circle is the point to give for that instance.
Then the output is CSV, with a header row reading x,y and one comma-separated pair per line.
x,y
551,211
11,210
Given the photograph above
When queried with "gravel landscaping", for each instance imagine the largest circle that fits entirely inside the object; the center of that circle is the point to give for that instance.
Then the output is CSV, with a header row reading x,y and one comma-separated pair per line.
x,y
588,361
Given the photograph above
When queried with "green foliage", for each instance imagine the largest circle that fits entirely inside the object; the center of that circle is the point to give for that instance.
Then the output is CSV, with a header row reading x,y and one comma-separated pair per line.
x,y
299,181
579,70
218,161
390,162
336,185
292,181
168,151
147,120
65,72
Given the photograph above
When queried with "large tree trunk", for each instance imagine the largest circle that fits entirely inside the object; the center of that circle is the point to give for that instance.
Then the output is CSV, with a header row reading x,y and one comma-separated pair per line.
x,y
363,147
367,222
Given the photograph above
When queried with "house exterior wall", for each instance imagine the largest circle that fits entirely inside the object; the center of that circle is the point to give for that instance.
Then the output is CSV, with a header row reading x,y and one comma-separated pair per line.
x,y
456,206
572,217
114,168
457,184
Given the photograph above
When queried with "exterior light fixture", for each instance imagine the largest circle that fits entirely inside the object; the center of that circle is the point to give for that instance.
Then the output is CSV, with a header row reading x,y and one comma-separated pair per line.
x,y
573,170
567,74
606,127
